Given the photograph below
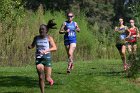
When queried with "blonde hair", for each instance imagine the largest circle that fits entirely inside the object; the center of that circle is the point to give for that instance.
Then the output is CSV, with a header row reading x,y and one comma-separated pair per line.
x,y
120,19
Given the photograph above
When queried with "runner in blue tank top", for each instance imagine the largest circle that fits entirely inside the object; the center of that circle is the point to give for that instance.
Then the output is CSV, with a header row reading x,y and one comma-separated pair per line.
x,y
69,28
122,34
44,45
70,37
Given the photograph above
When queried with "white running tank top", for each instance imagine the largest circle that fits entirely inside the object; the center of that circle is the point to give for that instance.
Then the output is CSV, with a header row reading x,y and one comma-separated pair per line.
x,y
41,44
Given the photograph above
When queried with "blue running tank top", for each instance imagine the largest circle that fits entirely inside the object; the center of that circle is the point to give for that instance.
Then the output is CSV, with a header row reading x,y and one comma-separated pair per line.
x,y
71,35
41,44
122,32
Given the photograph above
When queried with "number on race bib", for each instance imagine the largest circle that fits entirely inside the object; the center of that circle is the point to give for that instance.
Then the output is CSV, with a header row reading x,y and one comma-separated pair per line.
x,y
71,34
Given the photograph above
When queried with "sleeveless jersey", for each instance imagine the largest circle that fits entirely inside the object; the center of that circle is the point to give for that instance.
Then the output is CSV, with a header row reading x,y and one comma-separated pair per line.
x,y
121,34
133,32
41,44
71,35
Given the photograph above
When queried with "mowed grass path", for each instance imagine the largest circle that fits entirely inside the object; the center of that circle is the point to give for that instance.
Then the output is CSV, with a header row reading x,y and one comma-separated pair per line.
x,y
100,76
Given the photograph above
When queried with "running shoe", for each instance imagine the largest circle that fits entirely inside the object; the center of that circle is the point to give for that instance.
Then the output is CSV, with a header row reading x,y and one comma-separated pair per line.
x,y
51,82
125,67
68,70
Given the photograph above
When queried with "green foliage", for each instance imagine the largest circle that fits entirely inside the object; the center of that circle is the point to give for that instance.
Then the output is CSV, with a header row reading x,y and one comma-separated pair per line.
x,y
11,14
98,11
131,11
9,11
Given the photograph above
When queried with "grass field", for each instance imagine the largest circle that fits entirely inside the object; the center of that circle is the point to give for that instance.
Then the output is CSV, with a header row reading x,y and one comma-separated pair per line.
x,y
100,76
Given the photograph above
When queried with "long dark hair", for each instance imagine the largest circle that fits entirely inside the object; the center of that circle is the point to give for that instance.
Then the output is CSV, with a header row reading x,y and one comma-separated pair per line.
x,y
50,25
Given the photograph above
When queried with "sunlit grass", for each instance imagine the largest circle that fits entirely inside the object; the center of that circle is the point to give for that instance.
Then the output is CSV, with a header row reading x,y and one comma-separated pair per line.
x,y
100,76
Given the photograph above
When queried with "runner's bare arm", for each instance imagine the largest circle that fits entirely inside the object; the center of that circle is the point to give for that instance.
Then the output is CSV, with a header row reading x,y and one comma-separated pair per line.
x,y
62,31
129,33
33,44
52,45
138,34
77,27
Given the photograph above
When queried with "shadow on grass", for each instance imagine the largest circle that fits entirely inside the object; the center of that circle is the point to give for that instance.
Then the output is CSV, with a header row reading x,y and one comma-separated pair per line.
x,y
113,73
18,81
93,68
61,73
108,73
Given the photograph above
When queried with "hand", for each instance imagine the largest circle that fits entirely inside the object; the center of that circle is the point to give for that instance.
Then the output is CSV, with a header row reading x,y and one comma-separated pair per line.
x,y
44,52
78,29
68,30
29,47
127,38
116,28
61,32
134,35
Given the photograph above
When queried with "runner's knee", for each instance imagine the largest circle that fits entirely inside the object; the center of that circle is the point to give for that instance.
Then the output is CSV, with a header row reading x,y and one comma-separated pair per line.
x,y
123,53
41,75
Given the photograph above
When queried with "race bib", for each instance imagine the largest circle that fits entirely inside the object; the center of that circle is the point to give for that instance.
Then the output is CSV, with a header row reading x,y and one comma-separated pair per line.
x,y
71,33
122,37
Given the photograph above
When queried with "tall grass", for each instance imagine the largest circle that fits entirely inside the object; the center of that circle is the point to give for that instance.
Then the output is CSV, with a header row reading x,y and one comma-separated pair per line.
x,y
14,40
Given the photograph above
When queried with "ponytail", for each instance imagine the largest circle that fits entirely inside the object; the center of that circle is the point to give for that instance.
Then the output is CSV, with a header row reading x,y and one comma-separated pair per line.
x,y
51,24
